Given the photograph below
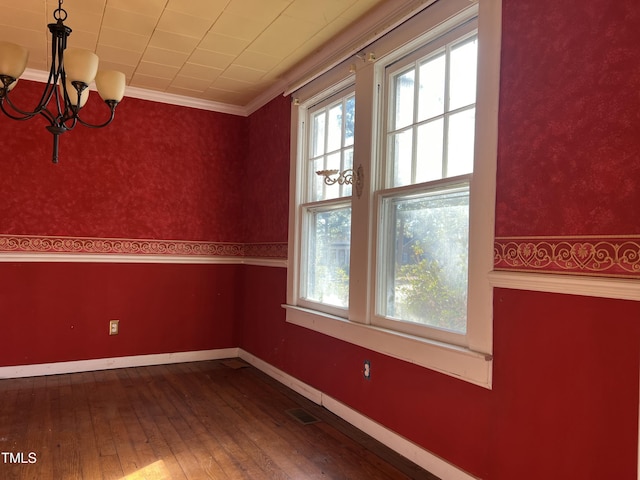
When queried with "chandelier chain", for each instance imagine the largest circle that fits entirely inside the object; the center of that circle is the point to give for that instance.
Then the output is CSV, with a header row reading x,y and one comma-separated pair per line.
x,y
58,12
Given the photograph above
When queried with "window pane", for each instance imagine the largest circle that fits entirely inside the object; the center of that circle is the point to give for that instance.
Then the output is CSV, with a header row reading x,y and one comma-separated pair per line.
x,y
401,155
429,151
463,74
316,191
404,87
334,134
327,262
348,165
431,93
349,121
424,280
331,138
460,142
317,134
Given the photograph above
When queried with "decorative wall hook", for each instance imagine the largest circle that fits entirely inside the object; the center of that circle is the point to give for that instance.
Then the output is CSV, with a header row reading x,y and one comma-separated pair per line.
x,y
345,177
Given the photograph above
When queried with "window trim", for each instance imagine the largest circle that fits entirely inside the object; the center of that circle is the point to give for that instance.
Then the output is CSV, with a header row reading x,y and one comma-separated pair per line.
x,y
472,362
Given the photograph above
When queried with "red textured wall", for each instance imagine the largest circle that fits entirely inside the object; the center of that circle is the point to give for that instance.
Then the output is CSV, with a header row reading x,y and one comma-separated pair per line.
x,y
158,172
565,392
569,161
57,312
266,212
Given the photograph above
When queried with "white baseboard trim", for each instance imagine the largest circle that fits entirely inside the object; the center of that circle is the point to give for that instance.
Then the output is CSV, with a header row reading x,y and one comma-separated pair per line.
x,y
19,371
418,455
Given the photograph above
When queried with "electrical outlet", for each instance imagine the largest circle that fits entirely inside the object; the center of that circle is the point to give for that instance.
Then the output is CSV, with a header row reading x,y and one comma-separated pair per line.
x,y
367,370
113,327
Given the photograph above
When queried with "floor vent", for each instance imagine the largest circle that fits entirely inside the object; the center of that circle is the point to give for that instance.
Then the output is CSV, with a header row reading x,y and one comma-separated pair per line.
x,y
302,416
235,363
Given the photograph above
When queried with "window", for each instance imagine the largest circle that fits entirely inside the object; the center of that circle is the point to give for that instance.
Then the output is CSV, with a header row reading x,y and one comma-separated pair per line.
x,y
326,205
422,259
401,267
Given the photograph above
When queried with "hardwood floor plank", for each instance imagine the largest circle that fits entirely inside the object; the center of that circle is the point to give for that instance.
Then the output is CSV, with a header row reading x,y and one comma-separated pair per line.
x,y
89,456
202,420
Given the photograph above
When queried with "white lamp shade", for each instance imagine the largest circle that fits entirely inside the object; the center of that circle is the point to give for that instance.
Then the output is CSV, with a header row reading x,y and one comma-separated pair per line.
x,y
73,94
80,65
13,59
110,84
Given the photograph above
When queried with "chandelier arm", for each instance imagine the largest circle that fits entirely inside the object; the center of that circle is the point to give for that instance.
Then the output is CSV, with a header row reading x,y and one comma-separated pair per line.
x,y
63,122
58,44
26,114
112,106
54,73
11,115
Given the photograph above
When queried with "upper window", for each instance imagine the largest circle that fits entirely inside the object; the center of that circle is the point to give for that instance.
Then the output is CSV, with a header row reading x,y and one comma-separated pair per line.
x,y
423,229
399,265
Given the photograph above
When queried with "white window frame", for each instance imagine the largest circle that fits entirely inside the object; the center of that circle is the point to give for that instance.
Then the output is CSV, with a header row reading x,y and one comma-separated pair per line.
x,y
470,360
308,205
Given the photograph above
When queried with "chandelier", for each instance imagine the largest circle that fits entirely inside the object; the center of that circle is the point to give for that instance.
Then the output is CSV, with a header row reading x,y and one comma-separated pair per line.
x,y
67,90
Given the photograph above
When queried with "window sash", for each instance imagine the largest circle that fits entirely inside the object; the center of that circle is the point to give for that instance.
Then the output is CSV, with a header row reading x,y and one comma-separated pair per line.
x,y
385,277
405,129
334,118
317,263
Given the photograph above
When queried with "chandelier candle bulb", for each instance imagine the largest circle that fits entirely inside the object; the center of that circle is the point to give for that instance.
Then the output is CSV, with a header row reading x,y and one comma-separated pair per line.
x,y
80,65
110,84
13,59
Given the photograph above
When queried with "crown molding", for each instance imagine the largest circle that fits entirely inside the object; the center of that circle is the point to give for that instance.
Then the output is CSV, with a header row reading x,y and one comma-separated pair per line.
x,y
181,100
159,97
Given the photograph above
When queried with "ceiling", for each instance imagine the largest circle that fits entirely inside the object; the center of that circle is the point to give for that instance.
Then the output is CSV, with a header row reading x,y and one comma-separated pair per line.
x,y
225,51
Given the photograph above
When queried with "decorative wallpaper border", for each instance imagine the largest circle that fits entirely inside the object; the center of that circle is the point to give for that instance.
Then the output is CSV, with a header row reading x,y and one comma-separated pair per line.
x,y
28,244
597,256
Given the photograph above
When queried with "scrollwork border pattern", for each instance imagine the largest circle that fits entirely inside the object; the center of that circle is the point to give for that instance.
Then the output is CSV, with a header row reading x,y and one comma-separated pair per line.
x,y
118,246
603,256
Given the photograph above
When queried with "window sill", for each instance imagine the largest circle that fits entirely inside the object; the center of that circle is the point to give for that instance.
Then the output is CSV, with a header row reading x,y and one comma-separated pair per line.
x,y
452,360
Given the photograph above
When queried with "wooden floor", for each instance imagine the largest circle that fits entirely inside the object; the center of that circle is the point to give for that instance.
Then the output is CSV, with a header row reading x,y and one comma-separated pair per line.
x,y
202,420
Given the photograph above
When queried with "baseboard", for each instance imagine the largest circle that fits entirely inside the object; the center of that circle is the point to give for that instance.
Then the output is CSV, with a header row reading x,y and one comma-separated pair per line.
x,y
418,455
57,368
